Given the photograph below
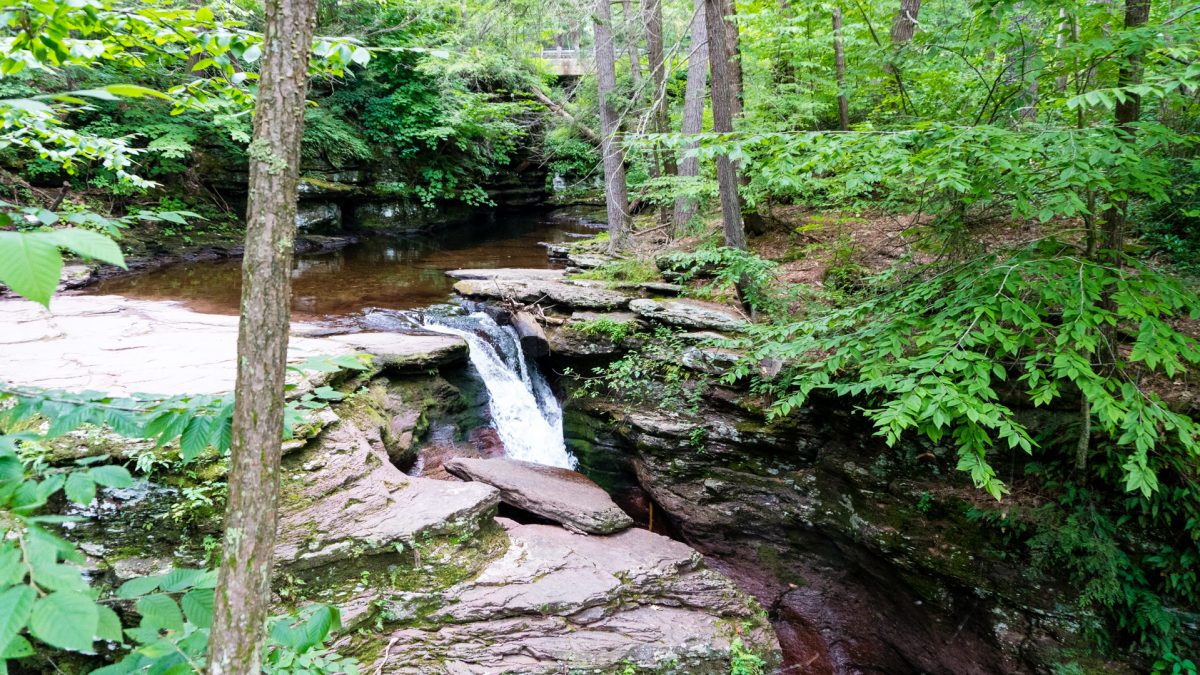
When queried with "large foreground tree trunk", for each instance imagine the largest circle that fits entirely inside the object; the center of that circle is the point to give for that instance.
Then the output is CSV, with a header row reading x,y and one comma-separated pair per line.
x,y
616,195
693,108
724,105
244,585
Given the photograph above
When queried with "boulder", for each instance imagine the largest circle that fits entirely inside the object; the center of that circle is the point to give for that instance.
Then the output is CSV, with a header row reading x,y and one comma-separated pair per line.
x,y
562,495
560,602
570,340
689,314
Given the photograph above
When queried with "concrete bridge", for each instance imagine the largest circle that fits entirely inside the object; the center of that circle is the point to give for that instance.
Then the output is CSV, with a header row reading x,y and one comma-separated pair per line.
x,y
569,62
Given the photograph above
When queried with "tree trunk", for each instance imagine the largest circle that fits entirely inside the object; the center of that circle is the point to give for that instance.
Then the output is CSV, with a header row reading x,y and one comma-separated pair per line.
x,y
903,28
635,61
839,64
905,23
616,194
733,54
724,100
244,585
562,112
693,108
1137,12
1060,43
652,11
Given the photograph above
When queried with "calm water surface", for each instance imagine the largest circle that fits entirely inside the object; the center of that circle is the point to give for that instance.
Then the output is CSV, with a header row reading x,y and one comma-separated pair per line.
x,y
392,272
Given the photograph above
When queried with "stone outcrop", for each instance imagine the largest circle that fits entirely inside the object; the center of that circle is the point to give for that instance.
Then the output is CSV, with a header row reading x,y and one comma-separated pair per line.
x,y
564,496
559,602
688,314
345,500
546,290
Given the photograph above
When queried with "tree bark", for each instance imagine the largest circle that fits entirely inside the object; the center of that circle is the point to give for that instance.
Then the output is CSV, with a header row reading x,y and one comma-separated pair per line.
x,y
733,54
635,61
652,12
904,26
724,104
839,64
244,585
616,194
1137,12
693,109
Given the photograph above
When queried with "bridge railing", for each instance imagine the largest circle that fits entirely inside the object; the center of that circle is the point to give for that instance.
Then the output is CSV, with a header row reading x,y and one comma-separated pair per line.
x,y
559,53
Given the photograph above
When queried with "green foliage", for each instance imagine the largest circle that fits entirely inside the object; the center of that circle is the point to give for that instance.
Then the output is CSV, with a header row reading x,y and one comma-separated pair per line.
x,y
729,270
625,270
652,373
1036,319
742,661
613,331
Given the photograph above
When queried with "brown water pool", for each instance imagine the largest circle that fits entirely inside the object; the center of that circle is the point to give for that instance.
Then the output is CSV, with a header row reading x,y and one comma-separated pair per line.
x,y
392,272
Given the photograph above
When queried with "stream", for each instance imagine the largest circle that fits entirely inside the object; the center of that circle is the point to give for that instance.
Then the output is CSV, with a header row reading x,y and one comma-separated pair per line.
x,y
379,271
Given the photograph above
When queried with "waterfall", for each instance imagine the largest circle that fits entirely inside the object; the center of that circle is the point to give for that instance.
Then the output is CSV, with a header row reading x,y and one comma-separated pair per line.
x,y
525,412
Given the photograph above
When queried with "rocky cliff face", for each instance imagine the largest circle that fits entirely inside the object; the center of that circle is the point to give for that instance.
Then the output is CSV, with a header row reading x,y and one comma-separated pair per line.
x,y
428,578
865,563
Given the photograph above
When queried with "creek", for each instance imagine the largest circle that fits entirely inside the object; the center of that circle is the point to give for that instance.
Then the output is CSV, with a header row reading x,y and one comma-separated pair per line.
x,y
378,271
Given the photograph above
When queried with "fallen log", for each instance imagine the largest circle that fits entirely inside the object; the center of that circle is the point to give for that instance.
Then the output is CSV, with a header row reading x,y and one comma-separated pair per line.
x,y
533,338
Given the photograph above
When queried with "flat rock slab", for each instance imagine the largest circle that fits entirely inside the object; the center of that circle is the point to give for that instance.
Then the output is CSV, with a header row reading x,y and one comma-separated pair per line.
x,y
407,353
536,286
117,345
559,602
689,314
344,499
562,495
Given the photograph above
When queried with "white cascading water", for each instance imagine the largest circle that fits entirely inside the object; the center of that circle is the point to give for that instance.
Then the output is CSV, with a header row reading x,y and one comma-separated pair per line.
x,y
525,412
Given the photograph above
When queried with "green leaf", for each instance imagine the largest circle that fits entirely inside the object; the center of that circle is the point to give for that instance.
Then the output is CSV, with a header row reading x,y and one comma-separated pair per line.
x,y
15,607
111,476
160,611
19,648
134,91
66,620
139,586
204,15
80,488
252,53
30,265
198,606
108,626
180,579
59,577
88,244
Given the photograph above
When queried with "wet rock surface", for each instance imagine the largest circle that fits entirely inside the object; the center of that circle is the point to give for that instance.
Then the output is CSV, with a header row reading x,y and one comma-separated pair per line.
x,y
564,496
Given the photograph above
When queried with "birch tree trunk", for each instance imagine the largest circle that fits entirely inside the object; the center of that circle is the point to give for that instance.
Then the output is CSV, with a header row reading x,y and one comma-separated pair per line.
x,y
724,104
244,583
616,195
693,108
839,65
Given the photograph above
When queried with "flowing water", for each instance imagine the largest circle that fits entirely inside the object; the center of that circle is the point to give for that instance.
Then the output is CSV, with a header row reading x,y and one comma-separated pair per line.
x,y
371,285
523,408
386,271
